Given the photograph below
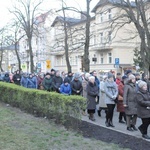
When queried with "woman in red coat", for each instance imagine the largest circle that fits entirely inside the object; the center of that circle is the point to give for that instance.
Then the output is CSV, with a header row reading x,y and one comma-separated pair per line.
x,y
120,106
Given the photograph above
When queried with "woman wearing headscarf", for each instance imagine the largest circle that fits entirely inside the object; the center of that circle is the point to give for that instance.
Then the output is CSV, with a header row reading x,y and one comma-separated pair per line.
x,y
143,108
130,103
92,92
111,91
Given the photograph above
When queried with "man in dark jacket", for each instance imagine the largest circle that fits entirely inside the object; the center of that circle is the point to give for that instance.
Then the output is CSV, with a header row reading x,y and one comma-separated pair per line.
x,y
76,85
17,78
69,77
57,81
6,78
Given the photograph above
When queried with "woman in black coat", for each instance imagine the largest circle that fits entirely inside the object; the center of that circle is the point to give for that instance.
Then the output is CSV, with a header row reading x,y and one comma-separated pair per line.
x,y
143,108
92,92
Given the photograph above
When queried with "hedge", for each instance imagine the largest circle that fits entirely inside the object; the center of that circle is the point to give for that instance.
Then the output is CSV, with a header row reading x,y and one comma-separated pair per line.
x,y
42,103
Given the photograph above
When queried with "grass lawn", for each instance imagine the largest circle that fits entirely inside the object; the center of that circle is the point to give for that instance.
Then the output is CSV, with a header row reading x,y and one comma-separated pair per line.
x,y
21,131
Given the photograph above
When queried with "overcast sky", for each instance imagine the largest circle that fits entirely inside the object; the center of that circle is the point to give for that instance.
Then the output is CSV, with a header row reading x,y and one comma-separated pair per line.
x,y
5,4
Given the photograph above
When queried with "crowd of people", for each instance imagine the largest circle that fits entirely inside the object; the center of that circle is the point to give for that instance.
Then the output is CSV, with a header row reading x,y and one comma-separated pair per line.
x,y
129,93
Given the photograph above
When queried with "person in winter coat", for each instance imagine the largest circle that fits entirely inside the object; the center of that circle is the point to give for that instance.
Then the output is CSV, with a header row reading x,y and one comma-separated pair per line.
x,y
111,92
69,77
84,86
65,88
57,81
17,78
24,80
47,82
145,78
130,103
6,78
120,106
92,92
32,83
40,79
76,85
97,83
143,108
102,106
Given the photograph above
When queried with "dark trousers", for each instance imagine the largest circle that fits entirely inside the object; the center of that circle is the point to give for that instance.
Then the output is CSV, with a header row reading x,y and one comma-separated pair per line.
x,y
145,124
110,112
122,115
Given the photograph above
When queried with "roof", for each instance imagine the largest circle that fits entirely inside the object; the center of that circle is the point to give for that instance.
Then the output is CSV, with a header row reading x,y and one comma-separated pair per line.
x,y
41,18
10,47
69,20
114,2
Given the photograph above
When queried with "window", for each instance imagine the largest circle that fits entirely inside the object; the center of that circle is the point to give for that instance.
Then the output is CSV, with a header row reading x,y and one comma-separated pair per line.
x,y
93,40
101,58
76,60
109,14
109,36
101,37
109,58
101,17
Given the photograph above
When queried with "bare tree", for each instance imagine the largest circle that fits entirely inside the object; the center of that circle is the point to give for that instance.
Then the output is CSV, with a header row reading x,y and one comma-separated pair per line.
x,y
26,14
86,61
137,12
13,39
84,34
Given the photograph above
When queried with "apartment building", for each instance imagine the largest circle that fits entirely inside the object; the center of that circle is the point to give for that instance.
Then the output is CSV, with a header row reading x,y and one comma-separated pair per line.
x,y
111,46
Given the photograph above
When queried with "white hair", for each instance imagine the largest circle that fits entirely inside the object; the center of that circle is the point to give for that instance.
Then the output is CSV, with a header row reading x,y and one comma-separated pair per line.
x,y
91,78
87,75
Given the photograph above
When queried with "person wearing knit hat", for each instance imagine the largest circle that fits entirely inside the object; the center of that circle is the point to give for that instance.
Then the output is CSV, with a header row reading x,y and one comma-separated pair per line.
x,y
128,72
141,84
143,108
65,87
76,85
130,104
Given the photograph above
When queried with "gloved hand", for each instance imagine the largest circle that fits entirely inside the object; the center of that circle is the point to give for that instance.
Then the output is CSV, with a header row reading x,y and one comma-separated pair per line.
x,y
113,97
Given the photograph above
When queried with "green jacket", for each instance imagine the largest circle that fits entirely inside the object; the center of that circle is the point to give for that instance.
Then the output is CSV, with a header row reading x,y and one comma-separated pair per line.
x,y
47,84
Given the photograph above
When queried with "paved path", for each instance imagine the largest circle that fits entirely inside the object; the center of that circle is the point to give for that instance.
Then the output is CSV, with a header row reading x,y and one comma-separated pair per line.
x,y
118,126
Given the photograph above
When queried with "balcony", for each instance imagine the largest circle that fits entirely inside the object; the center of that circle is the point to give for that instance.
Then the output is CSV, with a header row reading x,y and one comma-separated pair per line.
x,y
101,47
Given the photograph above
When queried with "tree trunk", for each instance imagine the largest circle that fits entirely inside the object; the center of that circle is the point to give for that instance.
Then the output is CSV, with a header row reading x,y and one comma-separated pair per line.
x,y
31,55
86,61
66,43
18,58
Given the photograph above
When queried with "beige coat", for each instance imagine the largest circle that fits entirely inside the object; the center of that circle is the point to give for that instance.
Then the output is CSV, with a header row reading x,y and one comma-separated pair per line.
x,y
102,95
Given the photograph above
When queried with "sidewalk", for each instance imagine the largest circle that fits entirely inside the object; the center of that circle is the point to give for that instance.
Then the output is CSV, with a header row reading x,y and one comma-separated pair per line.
x,y
100,121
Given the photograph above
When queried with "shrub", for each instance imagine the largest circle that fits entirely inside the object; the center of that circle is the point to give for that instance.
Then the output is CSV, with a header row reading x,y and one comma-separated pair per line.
x,y
42,103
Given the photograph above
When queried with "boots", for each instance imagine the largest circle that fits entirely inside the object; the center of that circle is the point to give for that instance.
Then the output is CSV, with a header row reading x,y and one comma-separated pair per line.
x,y
99,112
111,124
134,128
107,124
91,117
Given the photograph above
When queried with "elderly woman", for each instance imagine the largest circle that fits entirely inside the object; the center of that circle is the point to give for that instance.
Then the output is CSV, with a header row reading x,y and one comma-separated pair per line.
x,y
92,92
111,92
130,103
143,108
84,85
